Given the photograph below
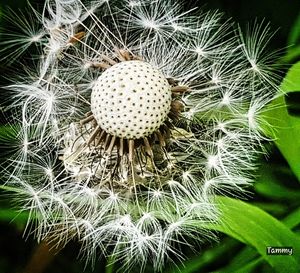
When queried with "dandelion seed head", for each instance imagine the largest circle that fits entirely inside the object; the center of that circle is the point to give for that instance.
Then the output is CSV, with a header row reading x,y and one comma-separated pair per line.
x,y
131,100
133,116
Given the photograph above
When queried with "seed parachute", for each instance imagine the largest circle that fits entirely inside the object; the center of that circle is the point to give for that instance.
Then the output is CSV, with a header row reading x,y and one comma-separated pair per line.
x,y
126,121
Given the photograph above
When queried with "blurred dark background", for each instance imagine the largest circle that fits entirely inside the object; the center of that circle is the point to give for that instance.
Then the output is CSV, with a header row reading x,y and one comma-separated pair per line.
x,y
15,251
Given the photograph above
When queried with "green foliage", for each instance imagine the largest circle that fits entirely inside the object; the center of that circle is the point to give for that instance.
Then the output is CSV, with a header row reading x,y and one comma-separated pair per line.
x,y
7,214
271,185
258,229
286,127
293,49
294,36
207,257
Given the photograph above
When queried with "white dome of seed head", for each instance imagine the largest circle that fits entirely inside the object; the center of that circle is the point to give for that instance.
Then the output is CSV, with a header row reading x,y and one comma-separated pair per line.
x,y
131,99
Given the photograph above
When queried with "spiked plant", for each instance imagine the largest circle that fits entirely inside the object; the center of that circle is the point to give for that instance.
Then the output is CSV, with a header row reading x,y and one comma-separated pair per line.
x,y
135,114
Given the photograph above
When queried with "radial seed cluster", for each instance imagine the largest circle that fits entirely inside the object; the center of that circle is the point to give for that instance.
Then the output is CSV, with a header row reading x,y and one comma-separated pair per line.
x,y
128,121
131,99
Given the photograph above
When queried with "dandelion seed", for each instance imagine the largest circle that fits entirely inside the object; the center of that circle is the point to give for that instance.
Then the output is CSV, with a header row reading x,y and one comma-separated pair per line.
x,y
136,114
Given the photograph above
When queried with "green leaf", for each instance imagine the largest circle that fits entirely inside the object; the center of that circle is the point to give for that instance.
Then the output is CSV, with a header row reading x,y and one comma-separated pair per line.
x,y
247,257
258,229
206,257
291,56
286,127
246,260
110,265
270,183
272,207
293,219
8,215
294,35
293,43
245,268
